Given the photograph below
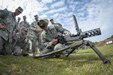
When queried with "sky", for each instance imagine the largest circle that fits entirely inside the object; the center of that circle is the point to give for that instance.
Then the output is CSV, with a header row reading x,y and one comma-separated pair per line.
x,y
90,14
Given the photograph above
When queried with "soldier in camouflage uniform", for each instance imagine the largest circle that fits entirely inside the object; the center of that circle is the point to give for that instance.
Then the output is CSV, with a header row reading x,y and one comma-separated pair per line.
x,y
24,23
18,22
48,36
19,38
7,25
57,24
21,45
60,26
34,35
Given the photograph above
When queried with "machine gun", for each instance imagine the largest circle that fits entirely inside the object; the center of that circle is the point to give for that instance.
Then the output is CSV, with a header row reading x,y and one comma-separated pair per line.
x,y
76,41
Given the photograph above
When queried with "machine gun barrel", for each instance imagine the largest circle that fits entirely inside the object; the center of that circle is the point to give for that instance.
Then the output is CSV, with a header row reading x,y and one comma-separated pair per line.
x,y
86,34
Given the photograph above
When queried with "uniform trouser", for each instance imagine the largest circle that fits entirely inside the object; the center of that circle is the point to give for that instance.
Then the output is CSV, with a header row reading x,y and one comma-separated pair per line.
x,y
25,48
21,49
39,44
35,45
56,47
17,50
5,47
30,45
2,43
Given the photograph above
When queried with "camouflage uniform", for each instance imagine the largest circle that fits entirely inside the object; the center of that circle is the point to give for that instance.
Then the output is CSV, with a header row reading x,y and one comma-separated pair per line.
x,y
47,36
19,38
6,35
57,24
34,36
21,44
24,24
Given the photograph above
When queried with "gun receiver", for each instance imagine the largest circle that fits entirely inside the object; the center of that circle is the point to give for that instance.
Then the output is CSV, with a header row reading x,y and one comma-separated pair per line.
x,y
82,35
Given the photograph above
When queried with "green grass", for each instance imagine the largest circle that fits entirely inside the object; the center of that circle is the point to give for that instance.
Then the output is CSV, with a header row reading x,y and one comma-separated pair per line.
x,y
84,62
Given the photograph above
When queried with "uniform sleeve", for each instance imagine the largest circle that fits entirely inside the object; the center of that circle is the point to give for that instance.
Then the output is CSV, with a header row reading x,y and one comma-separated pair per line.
x,y
38,28
33,26
3,14
44,42
62,30
59,24
20,24
28,25
59,29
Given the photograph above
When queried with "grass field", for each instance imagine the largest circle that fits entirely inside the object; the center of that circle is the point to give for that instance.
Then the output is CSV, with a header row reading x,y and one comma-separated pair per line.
x,y
84,62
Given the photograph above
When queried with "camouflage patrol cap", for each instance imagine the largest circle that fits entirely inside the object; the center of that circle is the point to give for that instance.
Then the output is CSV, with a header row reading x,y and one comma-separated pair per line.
x,y
51,19
20,9
24,16
35,16
43,23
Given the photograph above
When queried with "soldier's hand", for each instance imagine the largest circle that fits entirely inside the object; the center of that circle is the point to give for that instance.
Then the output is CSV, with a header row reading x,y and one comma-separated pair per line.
x,y
66,33
54,41
2,26
14,34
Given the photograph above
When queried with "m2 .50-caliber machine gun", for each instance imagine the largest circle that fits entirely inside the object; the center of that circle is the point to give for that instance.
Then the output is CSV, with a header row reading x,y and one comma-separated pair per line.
x,y
76,41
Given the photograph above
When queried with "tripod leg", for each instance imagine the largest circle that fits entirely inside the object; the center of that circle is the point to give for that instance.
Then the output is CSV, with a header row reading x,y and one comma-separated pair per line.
x,y
102,57
70,52
75,46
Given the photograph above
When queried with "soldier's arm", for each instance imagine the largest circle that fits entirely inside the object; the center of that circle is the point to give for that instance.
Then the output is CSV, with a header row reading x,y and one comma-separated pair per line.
x,y
32,27
44,42
2,17
59,24
66,31
28,25
20,25
38,30
61,30
35,28
3,14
